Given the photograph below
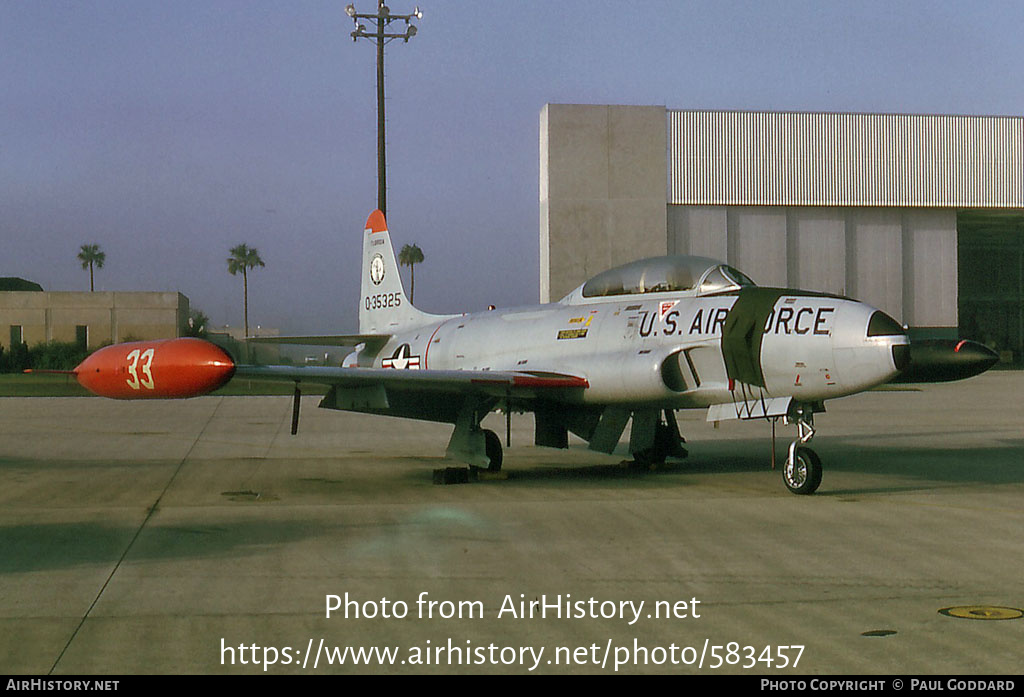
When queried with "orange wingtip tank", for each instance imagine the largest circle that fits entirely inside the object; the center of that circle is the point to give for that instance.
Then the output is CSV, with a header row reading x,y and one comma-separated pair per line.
x,y
164,369
376,222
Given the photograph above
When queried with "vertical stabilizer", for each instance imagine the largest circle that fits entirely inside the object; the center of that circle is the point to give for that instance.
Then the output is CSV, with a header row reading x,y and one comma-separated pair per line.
x,y
384,308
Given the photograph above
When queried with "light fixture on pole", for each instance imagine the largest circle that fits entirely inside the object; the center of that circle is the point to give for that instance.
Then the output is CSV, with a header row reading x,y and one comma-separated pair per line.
x,y
381,36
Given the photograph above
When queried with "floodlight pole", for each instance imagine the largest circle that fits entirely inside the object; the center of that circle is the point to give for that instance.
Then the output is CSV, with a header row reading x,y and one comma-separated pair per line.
x,y
382,162
380,36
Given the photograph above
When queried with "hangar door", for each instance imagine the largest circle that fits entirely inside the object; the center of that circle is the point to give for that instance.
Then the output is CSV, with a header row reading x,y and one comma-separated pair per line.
x,y
990,250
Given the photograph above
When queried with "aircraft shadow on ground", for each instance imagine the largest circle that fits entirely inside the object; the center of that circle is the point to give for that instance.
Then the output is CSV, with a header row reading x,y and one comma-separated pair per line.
x,y
1000,463
624,471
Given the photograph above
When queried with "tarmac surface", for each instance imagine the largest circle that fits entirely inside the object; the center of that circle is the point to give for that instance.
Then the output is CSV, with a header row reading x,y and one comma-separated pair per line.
x,y
199,536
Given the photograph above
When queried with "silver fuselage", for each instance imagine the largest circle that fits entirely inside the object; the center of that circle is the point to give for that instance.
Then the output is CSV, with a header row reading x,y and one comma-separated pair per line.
x,y
661,349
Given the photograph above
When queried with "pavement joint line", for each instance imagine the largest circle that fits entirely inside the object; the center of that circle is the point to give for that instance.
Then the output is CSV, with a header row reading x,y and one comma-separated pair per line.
x,y
124,554
270,445
280,425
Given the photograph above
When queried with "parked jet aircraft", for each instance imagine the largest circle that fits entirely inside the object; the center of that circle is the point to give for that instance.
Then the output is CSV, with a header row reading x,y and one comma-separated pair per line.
x,y
635,342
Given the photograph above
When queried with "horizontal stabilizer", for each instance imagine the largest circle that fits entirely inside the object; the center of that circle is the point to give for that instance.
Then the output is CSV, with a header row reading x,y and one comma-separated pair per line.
x,y
373,341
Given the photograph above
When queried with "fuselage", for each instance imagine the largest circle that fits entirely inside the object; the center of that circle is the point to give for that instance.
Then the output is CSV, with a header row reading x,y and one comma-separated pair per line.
x,y
665,348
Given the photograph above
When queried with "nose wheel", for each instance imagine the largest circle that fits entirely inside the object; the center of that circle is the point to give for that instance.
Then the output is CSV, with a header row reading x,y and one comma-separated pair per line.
x,y
802,471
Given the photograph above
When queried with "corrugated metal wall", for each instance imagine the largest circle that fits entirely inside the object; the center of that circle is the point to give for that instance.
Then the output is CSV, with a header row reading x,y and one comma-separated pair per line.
x,y
809,159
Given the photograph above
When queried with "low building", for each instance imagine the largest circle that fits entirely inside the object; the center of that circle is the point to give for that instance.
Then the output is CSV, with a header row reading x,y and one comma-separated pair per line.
x,y
233,340
90,319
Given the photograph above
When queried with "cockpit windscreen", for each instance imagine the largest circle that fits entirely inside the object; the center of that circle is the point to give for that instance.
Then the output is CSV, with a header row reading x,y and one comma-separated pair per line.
x,y
666,274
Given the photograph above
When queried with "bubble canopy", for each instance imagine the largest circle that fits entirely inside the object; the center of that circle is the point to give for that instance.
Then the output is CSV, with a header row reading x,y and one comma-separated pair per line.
x,y
664,275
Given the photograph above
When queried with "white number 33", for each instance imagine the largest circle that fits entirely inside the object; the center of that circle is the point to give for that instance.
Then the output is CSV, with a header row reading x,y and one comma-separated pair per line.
x,y
140,359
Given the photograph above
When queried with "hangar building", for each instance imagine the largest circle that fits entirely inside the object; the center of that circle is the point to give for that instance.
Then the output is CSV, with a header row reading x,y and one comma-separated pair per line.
x,y
921,216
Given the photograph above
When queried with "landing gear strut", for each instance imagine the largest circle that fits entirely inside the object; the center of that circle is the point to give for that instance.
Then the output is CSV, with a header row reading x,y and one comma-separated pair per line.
x,y
802,471
492,446
480,448
667,443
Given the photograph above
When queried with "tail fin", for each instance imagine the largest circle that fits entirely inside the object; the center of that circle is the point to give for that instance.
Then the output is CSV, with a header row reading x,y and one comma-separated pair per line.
x,y
383,305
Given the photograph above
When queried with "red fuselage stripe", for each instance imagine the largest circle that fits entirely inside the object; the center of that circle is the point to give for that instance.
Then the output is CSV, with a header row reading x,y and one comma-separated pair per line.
x,y
531,381
426,351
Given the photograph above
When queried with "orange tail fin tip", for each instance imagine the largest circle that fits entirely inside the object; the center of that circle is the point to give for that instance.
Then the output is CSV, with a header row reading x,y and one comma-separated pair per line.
x,y
376,222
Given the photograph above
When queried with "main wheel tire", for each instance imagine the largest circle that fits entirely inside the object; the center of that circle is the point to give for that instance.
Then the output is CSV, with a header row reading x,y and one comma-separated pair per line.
x,y
803,476
667,442
492,448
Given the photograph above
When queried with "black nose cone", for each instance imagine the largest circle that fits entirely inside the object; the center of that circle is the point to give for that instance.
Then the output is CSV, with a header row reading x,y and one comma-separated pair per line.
x,y
942,360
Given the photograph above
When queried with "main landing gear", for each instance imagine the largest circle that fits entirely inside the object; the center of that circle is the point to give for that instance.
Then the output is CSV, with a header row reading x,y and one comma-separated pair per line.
x,y
491,463
479,448
667,443
492,448
802,471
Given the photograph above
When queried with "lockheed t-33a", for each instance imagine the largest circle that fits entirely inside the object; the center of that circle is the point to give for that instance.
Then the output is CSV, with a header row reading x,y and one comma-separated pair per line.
x,y
636,342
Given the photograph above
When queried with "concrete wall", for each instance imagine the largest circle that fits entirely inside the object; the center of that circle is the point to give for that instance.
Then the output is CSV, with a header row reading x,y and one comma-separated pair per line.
x,y
110,316
602,190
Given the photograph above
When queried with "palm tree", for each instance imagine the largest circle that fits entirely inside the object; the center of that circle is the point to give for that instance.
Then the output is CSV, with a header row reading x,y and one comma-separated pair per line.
x,y
410,256
90,255
242,259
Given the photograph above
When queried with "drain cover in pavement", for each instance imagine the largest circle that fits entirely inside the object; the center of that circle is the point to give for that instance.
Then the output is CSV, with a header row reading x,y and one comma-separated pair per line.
x,y
983,612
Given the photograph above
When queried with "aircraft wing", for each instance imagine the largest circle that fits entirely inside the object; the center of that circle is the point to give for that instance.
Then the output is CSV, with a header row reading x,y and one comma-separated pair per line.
x,y
431,395
496,383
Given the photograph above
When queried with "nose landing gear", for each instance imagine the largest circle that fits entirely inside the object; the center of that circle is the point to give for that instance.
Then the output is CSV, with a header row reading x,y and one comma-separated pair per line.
x,y
802,471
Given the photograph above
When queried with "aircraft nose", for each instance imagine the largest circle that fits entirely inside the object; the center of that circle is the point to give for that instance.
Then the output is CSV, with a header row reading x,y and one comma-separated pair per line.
x,y
976,356
943,360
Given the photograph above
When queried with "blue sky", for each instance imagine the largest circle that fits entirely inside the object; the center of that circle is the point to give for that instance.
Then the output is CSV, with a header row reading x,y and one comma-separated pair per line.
x,y
168,132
